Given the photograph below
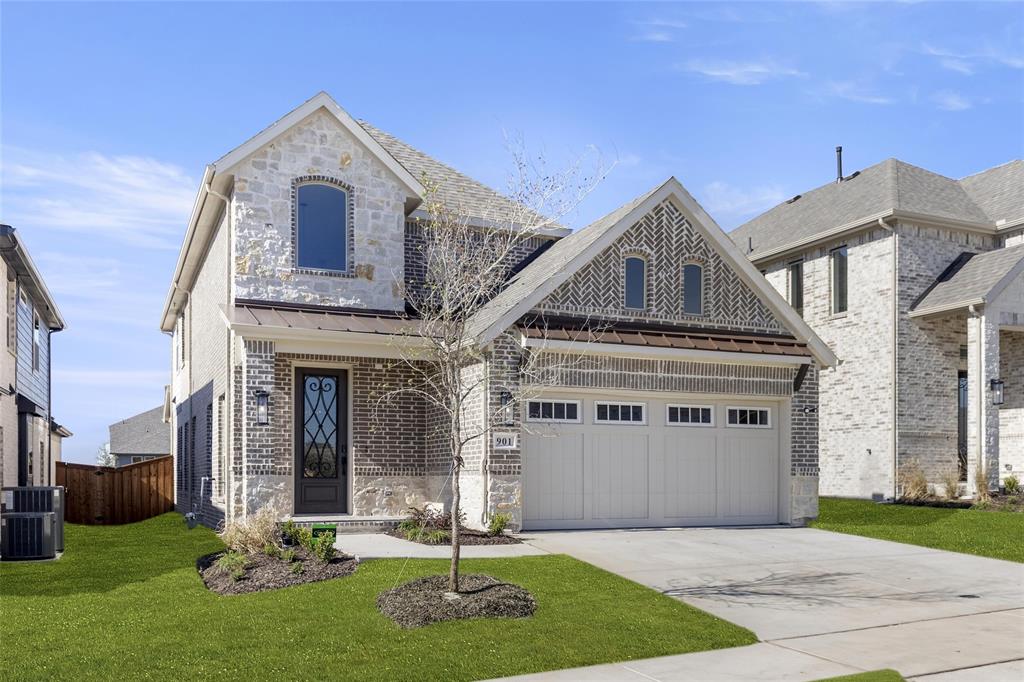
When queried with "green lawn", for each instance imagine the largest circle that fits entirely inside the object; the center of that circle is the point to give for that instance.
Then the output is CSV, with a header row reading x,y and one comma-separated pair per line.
x,y
126,602
995,534
873,676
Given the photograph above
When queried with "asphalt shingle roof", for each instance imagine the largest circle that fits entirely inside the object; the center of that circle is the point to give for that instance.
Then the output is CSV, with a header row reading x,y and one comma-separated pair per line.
x,y
970,278
987,197
144,434
455,190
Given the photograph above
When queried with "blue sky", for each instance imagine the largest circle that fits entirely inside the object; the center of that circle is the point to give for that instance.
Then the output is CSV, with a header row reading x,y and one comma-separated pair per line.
x,y
110,112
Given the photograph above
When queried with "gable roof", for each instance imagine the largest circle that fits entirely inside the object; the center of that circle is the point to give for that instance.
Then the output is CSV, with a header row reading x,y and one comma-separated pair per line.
x,y
984,201
567,256
144,434
972,279
18,259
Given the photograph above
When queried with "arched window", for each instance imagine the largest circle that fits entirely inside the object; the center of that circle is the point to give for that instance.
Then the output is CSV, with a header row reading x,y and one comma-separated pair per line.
x,y
636,283
693,289
321,227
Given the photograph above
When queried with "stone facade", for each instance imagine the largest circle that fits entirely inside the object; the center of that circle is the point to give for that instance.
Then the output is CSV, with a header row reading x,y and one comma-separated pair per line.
x,y
264,264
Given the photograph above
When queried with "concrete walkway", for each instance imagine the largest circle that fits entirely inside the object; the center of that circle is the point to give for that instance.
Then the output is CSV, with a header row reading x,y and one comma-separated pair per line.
x,y
822,603
381,546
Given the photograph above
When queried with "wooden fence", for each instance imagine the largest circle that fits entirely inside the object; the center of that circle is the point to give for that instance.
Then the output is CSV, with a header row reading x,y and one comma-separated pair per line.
x,y
108,495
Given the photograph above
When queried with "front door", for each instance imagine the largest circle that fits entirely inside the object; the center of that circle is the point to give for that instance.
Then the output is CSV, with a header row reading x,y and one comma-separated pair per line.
x,y
321,441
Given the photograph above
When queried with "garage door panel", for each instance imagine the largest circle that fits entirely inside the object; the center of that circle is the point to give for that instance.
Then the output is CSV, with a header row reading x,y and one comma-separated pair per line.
x,y
620,474
750,475
690,475
553,477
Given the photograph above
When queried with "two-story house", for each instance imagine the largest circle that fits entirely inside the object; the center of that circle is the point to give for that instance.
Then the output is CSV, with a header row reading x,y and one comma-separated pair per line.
x,y
696,405
916,281
29,437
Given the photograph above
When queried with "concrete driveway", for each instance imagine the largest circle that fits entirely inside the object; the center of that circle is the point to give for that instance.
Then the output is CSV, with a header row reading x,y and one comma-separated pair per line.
x,y
822,603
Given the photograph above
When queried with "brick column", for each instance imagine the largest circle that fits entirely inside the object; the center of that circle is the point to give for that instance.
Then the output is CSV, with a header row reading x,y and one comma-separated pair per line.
x,y
982,415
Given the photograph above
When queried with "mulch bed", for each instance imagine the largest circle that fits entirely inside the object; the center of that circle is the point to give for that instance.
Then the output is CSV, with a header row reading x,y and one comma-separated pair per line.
x,y
423,601
466,537
270,573
997,502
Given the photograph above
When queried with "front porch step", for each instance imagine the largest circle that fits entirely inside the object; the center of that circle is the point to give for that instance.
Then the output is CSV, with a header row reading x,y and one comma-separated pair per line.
x,y
350,524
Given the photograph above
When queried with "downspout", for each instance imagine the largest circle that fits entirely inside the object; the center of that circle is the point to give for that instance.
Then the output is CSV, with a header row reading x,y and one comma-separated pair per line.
x,y
894,360
229,369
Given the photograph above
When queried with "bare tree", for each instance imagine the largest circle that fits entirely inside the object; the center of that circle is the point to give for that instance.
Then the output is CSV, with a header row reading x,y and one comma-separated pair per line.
x,y
467,256
104,458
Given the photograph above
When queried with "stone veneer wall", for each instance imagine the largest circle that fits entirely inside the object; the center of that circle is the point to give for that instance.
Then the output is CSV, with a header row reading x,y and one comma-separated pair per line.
x,y
667,241
1011,414
929,350
265,266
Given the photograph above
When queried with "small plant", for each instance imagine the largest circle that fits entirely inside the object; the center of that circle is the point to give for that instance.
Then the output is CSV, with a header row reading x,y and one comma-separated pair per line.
x,y
271,550
288,530
287,556
437,536
232,563
251,534
297,568
322,547
913,482
423,522
303,537
1011,484
498,523
951,482
981,493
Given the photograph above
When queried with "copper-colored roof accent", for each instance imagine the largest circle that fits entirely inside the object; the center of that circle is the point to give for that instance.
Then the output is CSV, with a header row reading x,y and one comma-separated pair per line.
x,y
340,321
682,340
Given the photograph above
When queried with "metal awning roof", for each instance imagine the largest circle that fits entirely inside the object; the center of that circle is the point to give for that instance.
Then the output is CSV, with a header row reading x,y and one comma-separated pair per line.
x,y
298,318
677,340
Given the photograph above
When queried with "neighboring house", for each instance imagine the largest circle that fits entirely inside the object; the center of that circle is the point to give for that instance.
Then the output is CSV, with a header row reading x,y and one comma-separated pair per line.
x,y
696,403
916,281
29,438
145,436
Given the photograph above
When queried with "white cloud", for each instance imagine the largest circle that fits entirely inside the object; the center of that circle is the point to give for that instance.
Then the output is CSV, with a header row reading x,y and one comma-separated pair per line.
x,y
740,73
133,200
958,65
855,92
730,203
663,23
947,100
654,37
965,61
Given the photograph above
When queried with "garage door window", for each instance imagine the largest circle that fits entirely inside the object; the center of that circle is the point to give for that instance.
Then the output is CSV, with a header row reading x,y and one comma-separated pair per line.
x,y
749,417
690,415
565,411
620,413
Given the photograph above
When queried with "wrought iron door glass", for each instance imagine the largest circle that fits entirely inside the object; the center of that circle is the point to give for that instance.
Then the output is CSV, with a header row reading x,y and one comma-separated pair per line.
x,y
320,427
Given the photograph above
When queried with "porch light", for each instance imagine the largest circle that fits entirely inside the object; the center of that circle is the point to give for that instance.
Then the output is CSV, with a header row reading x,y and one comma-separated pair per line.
x,y
997,391
262,408
507,413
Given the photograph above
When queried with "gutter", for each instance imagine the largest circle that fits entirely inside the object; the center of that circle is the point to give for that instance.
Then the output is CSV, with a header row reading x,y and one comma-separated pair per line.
x,y
22,263
729,357
193,223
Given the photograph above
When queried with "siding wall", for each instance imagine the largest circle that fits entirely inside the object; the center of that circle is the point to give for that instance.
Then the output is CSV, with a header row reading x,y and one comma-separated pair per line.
x,y
8,358
32,383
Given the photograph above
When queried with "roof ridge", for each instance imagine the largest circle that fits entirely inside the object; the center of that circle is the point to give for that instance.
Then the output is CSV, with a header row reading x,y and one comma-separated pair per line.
x,y
982,172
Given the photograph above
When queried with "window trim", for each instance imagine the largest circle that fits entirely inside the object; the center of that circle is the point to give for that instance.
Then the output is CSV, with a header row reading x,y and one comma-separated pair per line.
x,y
625,282
799,262
700,269
350,194
37,333
710,424
833,308
631,404
542,420
763,408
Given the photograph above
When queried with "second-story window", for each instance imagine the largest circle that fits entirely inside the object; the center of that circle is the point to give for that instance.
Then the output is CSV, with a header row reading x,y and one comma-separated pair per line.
x,y
838,264
796,286
321,227
636,283
37,339
693,289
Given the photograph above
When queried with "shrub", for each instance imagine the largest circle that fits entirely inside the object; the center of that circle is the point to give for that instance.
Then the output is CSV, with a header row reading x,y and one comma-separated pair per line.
x,y
251,534
437,536
288,530
297,568
1011,484
271,550
424,521
498,523
303,537
322,547
232,563
981,485
951,482
287,556
913,483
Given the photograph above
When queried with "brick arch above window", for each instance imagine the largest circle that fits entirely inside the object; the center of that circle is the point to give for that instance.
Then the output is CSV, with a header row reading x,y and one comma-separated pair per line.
x,y
350,197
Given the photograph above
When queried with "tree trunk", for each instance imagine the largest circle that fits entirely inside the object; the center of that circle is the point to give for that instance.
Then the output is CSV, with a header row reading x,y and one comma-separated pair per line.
x,y
453,572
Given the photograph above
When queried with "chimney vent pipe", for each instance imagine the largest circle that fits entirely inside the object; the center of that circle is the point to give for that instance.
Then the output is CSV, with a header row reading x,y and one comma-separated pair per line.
x,y
839,164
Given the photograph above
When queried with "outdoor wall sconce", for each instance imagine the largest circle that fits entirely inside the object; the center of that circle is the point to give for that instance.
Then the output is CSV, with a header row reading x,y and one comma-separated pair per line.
x,y
262,408
997,391
507,413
